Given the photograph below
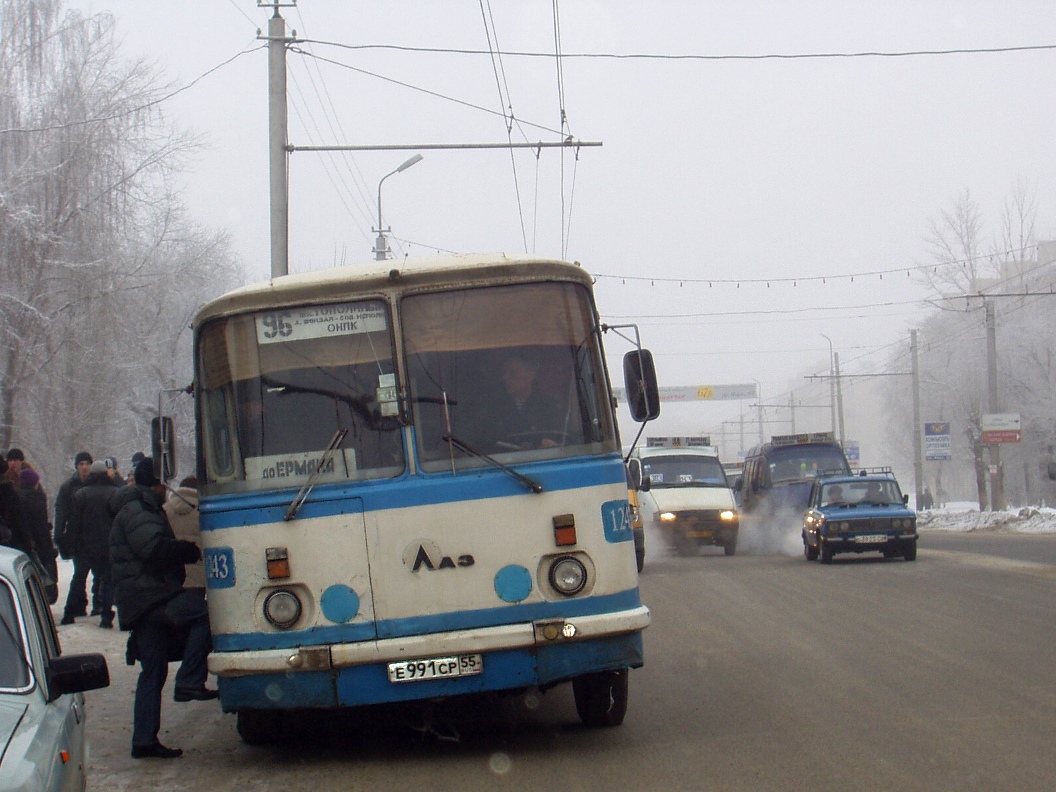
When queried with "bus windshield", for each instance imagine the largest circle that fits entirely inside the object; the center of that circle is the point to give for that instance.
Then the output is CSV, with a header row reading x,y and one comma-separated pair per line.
x,y
510,372
801,462
279,386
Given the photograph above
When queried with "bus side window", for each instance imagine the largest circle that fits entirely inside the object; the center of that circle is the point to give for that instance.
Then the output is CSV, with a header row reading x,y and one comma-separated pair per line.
x,y
222,461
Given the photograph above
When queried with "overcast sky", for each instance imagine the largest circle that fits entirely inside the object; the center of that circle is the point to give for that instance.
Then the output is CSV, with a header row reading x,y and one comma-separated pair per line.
x,y
743,177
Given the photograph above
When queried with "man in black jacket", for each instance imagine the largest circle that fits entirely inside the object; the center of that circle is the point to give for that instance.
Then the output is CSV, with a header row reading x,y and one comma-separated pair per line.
x,y
83,463
148,569
88,526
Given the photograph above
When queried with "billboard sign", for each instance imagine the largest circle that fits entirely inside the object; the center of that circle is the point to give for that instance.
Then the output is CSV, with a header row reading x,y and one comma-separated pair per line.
x,y
937,445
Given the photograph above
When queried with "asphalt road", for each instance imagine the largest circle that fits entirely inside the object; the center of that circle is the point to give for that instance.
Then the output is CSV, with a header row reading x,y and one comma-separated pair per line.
x,y
762,672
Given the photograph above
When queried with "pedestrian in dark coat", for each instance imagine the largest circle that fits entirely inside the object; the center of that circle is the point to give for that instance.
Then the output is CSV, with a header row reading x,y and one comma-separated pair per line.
x,y
13,531
34,504
88,527
83,463
148,568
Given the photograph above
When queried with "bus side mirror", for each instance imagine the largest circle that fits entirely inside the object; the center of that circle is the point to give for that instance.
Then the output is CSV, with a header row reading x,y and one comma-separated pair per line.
x,y
643,394
738,484
635,478
163,446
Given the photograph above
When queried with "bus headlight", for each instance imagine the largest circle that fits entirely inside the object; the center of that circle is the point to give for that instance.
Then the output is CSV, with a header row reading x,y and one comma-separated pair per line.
x,y
668,516
282,608
727,515
568,576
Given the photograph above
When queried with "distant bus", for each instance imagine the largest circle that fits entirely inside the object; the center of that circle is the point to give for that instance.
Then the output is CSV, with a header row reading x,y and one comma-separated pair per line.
x,y
778,475
371,532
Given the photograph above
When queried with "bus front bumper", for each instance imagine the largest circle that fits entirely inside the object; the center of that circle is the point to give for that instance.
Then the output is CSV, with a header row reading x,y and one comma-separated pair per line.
x,y
538,653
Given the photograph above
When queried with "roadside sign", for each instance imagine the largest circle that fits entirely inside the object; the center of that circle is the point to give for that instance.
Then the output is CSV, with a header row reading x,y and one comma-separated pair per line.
x,y
693,393
853,453
1001,428
937,445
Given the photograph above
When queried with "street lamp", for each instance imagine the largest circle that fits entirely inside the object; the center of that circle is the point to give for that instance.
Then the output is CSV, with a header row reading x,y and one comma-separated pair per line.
x,y
381,248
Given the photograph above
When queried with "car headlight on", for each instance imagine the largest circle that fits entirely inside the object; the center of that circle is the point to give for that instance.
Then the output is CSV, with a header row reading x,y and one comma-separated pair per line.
x,y
568,575
282,608
727,515
668,516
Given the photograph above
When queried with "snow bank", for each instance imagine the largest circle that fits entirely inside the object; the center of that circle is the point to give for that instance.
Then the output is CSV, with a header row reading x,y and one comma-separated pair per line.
x,y
967,517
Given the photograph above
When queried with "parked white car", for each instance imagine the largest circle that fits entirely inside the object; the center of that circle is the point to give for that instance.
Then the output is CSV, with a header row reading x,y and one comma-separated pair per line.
x,y
42,715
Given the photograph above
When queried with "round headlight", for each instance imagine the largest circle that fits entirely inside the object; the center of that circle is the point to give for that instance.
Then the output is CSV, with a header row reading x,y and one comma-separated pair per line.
x,y
282,608
568,575
727,515
667,516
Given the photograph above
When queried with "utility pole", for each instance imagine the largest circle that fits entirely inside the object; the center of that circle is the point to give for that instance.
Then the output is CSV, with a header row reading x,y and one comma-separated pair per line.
x,y
277,130
839,395
792,412
997,475
918,463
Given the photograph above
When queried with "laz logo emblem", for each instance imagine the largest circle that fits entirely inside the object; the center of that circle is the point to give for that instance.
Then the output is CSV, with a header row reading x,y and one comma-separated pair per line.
x,y
427,555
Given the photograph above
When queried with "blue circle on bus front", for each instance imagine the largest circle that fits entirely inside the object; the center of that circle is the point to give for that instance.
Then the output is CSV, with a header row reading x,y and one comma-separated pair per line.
x,y
513,583
340,604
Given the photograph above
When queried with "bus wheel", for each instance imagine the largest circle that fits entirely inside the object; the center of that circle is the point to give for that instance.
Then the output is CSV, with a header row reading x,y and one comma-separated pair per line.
x,y
639,557
259,726
601,698
730,548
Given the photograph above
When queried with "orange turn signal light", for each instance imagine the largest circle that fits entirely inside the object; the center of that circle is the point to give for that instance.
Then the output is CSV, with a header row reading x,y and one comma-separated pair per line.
x,y
278,562
565,530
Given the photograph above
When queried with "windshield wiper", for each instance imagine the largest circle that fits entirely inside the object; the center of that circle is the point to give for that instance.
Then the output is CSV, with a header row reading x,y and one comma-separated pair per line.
x,y
454,442
302,496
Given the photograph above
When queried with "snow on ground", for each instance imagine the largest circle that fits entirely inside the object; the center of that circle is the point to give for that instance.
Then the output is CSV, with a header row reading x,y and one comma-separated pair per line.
x,y
967,517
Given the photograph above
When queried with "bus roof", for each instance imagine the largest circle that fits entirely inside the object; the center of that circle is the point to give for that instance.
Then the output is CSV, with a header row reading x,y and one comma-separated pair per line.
x,y
336,283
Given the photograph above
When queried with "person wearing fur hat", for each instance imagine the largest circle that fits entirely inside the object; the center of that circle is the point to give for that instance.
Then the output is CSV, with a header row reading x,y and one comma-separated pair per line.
x,y
88,529
15,460
34,504
83,463
152,602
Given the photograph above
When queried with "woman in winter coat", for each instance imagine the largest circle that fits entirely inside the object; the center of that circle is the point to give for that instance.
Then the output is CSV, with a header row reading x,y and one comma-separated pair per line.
x,y
34,504
13,531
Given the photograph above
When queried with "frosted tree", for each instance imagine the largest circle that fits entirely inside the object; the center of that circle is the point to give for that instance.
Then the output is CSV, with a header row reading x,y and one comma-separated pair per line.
x,y
100,266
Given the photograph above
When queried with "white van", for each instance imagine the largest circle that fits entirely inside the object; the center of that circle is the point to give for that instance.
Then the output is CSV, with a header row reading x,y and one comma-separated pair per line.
x,y
688,499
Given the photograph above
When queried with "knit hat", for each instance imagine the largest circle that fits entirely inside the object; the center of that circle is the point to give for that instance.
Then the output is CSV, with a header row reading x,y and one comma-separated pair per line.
x,y
111,463
145,473
137,457
16,453
27,479
82,456
98,467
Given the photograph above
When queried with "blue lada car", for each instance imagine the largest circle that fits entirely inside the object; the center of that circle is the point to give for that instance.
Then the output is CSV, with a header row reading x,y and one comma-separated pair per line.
x,y
861,513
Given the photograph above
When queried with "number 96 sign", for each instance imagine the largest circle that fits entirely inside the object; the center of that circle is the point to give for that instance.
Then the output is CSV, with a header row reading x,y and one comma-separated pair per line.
x,y
219,567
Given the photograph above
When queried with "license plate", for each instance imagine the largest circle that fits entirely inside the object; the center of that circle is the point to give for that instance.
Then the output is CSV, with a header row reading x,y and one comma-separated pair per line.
x,y
435,668
871,538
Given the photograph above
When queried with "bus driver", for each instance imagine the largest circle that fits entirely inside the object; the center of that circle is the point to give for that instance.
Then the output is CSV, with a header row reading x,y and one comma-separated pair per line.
x,y
524,417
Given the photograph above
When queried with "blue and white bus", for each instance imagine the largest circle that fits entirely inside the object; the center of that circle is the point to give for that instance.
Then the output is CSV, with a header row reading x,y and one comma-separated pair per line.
x,y
378,524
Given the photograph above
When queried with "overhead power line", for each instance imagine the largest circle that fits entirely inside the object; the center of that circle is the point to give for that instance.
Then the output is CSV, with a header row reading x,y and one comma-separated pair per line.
x,y
699,57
